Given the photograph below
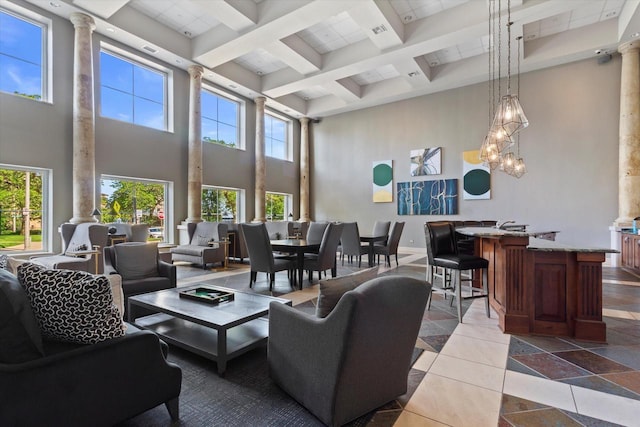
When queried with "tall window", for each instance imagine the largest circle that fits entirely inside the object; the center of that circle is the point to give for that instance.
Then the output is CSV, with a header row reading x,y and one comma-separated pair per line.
x,y
23,55
136,201
133,91
220,119
276,141
24,209
221,204
278,206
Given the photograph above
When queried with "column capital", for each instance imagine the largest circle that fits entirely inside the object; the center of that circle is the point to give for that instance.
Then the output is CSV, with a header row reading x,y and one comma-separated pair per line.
x,y
629,46
196,71
80,20
304,120
260,100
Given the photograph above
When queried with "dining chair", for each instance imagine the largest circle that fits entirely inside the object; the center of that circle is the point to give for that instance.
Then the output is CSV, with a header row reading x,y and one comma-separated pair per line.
x,y
392,247
381,228
350,244
325,259
261,257
315,231
442,251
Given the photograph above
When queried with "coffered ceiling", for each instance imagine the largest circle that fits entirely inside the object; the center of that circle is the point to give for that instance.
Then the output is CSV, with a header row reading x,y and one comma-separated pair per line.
x,y
317,58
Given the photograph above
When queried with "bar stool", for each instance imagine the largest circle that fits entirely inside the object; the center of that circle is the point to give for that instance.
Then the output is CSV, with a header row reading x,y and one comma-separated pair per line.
x,y
442,252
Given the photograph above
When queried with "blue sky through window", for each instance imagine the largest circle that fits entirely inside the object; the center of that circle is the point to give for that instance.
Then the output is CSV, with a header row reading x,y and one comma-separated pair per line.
x,y
219,119
131,92
21,53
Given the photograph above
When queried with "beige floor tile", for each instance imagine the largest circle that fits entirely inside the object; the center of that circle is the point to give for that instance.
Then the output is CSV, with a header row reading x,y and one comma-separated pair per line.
x,y
485,332
455,403
425,361
469,372
477,350
620,314
306,294
608,407
409,419
539,390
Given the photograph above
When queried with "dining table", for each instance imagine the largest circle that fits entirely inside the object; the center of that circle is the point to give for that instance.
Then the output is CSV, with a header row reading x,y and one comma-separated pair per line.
x,y
299,247
372,241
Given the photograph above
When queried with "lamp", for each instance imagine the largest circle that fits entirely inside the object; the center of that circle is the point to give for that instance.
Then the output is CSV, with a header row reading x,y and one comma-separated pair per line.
x,y
508,118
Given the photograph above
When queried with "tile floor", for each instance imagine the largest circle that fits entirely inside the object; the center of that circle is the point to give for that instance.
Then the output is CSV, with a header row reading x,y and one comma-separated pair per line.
x,y
471,374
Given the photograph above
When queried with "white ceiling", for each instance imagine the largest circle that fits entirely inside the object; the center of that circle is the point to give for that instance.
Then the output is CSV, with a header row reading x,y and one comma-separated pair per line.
x,y
316,58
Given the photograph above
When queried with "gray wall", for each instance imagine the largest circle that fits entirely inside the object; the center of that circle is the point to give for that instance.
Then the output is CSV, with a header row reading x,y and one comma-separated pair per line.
x,y
570,148
39,134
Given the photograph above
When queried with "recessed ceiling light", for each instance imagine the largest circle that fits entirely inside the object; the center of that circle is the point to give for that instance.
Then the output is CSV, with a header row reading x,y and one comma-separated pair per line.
x,y
408,18
634,35
306,98
111,30
188,33
259,72
233,86
413,73
54,4
150,49
434,63
178,61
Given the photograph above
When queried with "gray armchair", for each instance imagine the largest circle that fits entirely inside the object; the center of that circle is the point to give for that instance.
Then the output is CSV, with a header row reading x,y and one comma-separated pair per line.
x,y
77,239
140,267
358,357
202,249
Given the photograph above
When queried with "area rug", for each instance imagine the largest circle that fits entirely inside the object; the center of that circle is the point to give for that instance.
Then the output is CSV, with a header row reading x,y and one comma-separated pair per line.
x,y
245,396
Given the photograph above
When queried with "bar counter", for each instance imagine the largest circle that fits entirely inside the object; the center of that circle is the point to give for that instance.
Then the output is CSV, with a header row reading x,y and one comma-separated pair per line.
x,y
542,287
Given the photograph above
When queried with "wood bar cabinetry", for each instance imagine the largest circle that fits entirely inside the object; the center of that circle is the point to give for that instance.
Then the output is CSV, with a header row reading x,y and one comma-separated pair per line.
x,y
630,248
541,287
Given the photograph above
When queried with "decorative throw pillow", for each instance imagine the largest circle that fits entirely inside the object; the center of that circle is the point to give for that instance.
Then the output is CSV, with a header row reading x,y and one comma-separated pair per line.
x,y
19,332
4,261
136,260
71,306
330,291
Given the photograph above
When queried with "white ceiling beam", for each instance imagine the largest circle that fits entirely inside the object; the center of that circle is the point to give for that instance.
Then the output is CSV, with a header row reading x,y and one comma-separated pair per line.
x,y
236,15
103,9
345,89
415,71
296,53
380,23
629,21
277,21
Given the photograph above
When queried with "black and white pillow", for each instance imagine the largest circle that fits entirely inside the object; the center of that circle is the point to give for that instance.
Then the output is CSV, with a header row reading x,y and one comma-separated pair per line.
x,y
71,306
4,261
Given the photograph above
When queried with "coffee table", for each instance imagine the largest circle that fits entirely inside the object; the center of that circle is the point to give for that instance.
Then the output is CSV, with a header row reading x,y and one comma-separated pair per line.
x,y
217,332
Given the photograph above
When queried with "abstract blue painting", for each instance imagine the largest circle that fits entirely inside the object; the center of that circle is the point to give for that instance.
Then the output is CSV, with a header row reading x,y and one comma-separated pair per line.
x,y
428,197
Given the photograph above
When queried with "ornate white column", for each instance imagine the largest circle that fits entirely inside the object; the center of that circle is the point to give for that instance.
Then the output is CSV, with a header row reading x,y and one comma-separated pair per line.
x,y
84,143
261,170
629,143
304,169
194,189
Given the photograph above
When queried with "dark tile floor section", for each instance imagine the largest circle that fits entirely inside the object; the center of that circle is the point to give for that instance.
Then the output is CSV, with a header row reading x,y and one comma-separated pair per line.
x,y
612,367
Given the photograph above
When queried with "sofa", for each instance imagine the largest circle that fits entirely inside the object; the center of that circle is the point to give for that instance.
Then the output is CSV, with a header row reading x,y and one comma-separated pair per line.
x,y
101,381
203,247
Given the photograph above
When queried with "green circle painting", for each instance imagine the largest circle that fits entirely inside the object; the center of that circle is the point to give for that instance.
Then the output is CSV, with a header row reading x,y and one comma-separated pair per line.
x,y
382,174
477,182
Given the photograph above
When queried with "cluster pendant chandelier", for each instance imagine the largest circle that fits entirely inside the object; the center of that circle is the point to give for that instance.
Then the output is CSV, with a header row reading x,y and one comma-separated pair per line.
x,y
506,119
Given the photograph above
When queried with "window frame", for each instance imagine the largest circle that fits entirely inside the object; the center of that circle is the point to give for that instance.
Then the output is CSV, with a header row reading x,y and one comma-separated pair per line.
x,y
46,231
141,62
240,118
46,25
288,145
167,221
287,208
240,201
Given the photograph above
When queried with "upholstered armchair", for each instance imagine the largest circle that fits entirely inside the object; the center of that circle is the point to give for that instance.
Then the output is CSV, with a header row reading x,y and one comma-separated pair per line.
x,y
204,244
81,248
358,357
140,268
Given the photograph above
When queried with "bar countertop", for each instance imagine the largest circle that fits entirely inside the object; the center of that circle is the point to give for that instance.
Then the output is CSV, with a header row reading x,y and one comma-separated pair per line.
x,y
534,243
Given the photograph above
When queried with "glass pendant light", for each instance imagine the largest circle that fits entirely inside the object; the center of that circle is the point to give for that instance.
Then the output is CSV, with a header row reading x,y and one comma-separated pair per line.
x,y
510,116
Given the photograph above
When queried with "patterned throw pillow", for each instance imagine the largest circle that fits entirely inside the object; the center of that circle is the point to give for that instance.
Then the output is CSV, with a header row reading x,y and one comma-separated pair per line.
x,y
71,306
4,261
330,291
